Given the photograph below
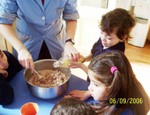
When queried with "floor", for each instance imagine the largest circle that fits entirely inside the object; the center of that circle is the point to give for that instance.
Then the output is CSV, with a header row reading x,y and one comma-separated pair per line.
x,y
138,57
140,61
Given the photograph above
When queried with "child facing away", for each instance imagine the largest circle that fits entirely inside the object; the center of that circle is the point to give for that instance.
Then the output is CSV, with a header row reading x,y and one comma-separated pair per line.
x,y
114,85
115,28
9,66
72,106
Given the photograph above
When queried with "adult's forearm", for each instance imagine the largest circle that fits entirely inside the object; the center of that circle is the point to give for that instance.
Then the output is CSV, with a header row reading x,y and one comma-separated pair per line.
x,y
9,34
71,26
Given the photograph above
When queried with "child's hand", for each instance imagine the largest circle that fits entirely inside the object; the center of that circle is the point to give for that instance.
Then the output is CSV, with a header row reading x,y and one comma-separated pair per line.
x,y
75,64
82,95
4,73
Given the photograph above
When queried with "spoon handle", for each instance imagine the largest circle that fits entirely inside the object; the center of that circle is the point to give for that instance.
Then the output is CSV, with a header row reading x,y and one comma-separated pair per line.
x,y
37,73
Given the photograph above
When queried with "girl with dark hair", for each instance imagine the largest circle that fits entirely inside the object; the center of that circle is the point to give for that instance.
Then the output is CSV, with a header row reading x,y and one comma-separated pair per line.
x,y
114,85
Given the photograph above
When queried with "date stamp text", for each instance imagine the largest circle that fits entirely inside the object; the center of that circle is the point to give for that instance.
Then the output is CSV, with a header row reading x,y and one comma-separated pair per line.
x,y
125,101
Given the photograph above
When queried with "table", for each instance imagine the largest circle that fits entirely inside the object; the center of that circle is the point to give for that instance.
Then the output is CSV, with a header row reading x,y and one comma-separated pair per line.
x,y
22,95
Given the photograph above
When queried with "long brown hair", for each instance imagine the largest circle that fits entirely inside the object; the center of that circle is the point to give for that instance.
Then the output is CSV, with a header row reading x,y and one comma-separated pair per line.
x,y
118,19
122,84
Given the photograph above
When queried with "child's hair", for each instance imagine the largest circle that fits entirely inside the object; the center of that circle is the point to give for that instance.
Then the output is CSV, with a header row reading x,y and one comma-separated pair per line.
x,y
121,83
72,106
118,19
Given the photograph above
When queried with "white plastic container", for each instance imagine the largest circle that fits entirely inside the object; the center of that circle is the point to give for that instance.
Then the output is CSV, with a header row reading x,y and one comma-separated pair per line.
x,y
139,32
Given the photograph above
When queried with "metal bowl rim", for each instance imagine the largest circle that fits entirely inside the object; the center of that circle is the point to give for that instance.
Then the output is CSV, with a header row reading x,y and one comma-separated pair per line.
x,y
45,87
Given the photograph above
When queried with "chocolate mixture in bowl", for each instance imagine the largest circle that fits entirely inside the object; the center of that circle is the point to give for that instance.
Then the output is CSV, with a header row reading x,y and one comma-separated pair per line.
x,y
49,78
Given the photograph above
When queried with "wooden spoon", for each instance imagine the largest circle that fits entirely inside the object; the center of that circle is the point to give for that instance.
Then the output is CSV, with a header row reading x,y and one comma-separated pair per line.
x,y
37,73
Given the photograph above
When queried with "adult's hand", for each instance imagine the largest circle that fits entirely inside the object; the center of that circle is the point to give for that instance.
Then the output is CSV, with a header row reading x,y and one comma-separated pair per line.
x,y
25,59
24,56
71,52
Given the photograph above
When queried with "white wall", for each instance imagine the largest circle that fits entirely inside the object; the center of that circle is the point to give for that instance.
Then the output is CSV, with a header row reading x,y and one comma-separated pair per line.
x,y
5,45
88,31
2,43
95,3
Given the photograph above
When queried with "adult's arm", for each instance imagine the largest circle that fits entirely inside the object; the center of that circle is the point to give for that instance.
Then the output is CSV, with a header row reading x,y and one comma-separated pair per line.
x,y
8,14
70,15
24,56
70,50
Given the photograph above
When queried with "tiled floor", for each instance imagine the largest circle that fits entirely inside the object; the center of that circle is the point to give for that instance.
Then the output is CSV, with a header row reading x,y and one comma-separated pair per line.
x,y
139,58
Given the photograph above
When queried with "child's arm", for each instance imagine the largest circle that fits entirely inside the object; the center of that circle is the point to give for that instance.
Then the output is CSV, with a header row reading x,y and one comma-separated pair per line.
x,y
88,58
79,65
80,94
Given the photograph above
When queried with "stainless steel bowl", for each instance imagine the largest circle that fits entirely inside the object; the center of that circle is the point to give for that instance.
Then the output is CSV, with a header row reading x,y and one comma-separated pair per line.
x,y
50,92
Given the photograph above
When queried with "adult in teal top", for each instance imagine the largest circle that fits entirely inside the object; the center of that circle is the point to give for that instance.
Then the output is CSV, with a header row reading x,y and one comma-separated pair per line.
x,y
39,25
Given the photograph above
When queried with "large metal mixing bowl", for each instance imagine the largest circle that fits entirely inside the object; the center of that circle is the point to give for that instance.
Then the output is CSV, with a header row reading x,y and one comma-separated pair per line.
x,y
51,92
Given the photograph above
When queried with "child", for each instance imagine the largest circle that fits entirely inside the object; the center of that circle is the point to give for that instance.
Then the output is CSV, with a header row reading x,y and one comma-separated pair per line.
x,y
9,66
114,85
115,28
72,106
